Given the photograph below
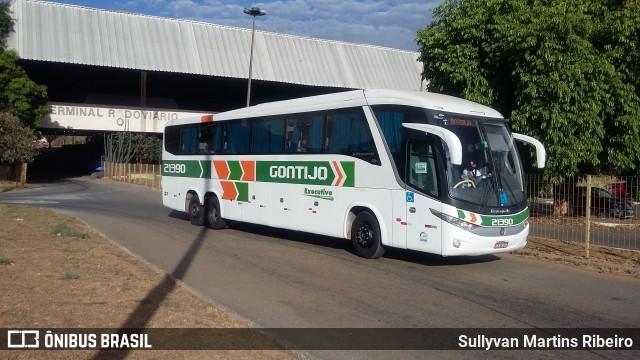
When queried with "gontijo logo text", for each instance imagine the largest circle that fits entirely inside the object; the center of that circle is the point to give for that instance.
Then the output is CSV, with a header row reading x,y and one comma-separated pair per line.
x,y
321,173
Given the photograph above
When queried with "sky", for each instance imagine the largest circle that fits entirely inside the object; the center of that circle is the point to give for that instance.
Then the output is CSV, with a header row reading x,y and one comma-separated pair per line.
x,y
388,23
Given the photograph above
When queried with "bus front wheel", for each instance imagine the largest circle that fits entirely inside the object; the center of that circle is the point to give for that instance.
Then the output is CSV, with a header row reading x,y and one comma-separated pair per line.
x,y
365,236
212,213
196,212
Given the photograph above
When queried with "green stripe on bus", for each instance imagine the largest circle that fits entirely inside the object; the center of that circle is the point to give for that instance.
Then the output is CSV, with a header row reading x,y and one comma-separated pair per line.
x,y
349,171
287,172
505,220
496,220
235,170
305,172
243,191
187,168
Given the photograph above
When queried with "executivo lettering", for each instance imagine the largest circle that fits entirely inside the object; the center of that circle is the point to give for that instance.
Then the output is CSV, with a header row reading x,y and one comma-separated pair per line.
x,y
319,193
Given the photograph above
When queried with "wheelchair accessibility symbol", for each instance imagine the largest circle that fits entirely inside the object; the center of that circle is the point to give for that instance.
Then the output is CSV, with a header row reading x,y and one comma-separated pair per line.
x,y
410,196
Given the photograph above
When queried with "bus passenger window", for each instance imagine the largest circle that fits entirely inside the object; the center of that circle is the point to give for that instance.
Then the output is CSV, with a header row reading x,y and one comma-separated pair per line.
x,y
188,141
237,135
276,136
315,134
293,136
205,139
260,138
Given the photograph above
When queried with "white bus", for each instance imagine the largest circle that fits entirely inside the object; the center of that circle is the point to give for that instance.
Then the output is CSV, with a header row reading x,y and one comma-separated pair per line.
x,y
383,168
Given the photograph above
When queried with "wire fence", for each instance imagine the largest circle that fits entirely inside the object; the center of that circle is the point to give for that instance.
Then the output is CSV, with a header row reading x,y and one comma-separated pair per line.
x,y
600,209
141,174
557,212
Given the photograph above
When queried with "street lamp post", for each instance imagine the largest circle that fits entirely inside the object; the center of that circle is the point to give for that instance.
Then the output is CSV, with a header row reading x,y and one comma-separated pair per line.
x,y
254,11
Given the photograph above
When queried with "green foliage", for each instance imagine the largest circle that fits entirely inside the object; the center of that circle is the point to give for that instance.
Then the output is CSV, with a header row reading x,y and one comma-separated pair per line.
x,y
123,147
149,148
66,230
17,142
565,72
67,275
6,22
19,94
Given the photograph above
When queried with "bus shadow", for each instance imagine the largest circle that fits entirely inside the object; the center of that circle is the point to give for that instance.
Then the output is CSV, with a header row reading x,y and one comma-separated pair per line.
x,y
149,306
294,236
411,256
425,259
181,215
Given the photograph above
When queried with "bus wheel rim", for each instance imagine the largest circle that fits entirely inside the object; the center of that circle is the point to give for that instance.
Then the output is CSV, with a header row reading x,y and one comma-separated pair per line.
x,y
364,235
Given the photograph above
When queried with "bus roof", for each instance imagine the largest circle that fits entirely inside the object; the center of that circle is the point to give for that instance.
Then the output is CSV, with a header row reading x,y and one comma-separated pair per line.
x,y
353,98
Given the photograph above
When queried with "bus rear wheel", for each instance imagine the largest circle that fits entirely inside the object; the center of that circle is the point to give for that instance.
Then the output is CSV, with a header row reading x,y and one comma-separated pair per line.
x,y
196,212
365,236
212,214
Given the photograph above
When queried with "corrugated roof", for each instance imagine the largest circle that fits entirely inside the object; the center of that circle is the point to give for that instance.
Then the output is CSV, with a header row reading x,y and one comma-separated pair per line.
x,y
47,31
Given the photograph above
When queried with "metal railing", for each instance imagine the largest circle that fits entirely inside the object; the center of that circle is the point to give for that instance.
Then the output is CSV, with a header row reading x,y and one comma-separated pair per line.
x,y
600,210
141,174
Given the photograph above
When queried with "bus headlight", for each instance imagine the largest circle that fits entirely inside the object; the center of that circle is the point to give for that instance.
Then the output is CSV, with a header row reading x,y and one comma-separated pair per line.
x,y
465,225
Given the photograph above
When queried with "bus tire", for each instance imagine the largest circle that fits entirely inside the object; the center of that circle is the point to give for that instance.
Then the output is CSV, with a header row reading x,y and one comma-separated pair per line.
x,y
196,211
212,214
366,237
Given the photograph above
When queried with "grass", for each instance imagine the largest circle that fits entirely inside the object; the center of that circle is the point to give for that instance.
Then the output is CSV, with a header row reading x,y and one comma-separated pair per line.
x,y
64,229
109,288
67,275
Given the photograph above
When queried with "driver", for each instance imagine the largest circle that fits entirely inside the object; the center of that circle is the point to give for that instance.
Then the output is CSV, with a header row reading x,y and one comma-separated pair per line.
x,y
471,172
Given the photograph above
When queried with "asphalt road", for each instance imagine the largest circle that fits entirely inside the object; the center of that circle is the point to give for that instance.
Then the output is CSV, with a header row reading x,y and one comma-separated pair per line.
x,y
282,279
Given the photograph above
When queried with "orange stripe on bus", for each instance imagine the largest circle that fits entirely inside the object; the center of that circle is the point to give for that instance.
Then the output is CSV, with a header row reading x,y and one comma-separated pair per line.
x,y
229,191
206,118
249,168
222,169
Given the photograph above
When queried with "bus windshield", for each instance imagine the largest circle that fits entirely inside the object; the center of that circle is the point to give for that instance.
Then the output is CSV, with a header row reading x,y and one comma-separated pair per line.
x,y
490,174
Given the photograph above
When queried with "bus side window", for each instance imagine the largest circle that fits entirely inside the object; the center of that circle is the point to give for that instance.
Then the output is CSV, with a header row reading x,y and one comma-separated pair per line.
x,y
188,141
315,135
276,136
422,173
293,136
172,139
339,138
260,138
238,133
205,145
217,140
360,139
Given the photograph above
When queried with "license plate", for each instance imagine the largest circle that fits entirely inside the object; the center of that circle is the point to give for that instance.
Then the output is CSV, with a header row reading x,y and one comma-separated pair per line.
x,y
501,244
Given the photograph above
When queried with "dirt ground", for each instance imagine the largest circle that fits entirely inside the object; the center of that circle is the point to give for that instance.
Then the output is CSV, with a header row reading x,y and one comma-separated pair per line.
x,y
59,273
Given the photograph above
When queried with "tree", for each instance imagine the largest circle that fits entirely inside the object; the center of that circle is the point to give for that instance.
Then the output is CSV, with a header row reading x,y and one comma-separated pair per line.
x,y
552,67
17,143
19,95
124,146
6,23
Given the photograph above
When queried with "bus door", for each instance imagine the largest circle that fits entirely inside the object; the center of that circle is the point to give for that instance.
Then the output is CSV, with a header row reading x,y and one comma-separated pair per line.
x,y
424,230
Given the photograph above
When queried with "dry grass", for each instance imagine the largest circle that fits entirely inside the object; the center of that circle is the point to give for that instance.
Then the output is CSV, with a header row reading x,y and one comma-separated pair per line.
x,y
58,273
602,259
